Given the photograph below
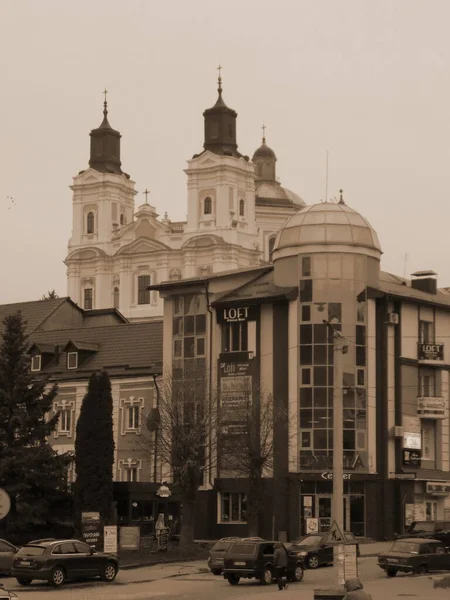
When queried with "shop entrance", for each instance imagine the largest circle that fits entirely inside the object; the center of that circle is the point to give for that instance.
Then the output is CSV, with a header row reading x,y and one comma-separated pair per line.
x,y
323,511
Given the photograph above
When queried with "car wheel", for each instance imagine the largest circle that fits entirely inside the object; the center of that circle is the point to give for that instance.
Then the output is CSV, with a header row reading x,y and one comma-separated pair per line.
x,y
298,573
57,577
313,561
391,572
421,570
267,576
22,581
109,572
233,579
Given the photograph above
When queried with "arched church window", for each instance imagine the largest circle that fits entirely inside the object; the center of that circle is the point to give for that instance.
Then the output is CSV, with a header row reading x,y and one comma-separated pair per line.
x,y
207,206
90,222
271,245
121,219
241,208
116,297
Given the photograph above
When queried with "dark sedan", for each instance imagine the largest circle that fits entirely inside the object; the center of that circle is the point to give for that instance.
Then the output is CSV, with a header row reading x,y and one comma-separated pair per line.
x,y
316,552
58,560
7,554
415,556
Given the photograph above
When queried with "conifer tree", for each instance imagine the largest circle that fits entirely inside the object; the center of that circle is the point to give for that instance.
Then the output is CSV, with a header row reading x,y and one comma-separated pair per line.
x,y
94,449
32,473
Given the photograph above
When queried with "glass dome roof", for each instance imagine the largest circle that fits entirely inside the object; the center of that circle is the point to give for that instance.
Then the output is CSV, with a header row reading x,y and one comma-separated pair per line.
x,y
326,223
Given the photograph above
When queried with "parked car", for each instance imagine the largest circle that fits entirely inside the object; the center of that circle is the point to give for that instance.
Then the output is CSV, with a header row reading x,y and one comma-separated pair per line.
x,y
217,553
254,559
58,560
316,552
7,553
438,530
411,555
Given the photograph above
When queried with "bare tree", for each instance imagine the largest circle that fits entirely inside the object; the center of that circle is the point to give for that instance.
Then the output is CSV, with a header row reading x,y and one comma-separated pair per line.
x,y
246,444
184,427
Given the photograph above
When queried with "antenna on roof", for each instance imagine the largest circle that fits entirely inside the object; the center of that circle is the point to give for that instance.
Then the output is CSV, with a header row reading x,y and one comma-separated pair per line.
x,y
404,270
326,179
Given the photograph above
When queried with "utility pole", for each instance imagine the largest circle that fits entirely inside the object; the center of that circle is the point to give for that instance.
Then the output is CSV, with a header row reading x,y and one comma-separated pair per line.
x,y
337,504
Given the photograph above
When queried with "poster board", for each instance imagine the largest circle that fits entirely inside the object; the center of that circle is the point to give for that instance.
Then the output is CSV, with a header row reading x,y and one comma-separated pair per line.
x,y
91,530
110,539
312,525
130,538
346,560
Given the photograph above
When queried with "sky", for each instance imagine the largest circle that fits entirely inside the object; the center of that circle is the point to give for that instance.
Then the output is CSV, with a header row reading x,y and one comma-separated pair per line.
x,y
367,81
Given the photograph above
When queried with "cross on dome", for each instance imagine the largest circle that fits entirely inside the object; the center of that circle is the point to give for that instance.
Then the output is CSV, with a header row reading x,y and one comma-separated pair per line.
x,y
146,192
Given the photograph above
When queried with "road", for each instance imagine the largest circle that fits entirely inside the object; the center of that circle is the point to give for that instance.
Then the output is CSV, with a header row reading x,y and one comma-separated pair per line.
x,y
144,584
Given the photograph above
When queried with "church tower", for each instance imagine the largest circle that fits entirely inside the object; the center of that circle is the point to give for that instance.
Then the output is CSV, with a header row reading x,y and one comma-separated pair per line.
x,y
103,203
221,182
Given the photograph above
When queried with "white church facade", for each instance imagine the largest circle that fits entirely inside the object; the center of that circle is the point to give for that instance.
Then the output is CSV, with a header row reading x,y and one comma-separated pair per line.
x,y
234,208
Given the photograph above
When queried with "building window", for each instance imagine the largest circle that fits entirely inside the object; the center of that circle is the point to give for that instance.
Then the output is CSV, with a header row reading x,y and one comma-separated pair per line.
x,y
233,507
36,362
241,208
72,360
122,218
306,266
143,292
426,332
271,246
189,336
71,472
88,301
428,439
130,470
431,510
65,421
427,384
134,417
116,297
235,337
207,206
90,222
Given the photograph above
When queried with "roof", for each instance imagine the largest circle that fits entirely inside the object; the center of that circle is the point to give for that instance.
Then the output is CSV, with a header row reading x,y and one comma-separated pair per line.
x,y
394,285
166,285
83,346
34,312
326,223
262,288
120,349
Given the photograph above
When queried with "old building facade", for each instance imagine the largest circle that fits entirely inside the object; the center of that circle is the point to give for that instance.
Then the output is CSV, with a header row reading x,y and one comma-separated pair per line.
x,y
235,206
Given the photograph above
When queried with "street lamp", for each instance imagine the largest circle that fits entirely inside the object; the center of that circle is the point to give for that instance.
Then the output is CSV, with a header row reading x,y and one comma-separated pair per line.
x,y
153,420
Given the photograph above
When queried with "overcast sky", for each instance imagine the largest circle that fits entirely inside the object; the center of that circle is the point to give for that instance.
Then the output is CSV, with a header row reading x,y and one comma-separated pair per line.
x,y
367,80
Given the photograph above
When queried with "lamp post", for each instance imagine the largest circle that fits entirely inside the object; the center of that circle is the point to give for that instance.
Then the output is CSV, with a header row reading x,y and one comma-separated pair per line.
x,y
153,419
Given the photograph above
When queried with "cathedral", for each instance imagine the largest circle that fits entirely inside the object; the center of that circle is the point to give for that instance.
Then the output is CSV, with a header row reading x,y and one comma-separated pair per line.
x,y
235,206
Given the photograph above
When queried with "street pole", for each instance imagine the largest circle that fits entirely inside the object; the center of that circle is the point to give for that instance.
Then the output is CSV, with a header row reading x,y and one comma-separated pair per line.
x,y
337,505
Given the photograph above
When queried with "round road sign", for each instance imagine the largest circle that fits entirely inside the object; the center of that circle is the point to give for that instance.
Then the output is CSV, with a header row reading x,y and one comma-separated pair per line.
x,y
5,503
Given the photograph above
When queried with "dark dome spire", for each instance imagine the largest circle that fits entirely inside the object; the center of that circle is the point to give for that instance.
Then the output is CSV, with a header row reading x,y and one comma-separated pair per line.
x,y
105,146
220,126
265,159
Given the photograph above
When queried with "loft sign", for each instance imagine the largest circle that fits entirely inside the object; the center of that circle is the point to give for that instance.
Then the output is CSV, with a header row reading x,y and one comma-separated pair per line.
x,y
431,352
236,314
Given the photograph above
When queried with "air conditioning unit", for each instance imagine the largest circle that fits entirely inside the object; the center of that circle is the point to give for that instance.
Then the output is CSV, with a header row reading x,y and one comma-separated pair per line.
x,y
392,318
397,431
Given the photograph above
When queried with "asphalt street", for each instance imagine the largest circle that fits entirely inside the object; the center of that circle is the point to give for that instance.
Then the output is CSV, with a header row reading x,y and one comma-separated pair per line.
x,y
145,584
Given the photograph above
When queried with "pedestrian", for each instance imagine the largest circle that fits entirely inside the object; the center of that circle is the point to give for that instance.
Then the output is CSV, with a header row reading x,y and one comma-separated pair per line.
x,y
280,561
354,590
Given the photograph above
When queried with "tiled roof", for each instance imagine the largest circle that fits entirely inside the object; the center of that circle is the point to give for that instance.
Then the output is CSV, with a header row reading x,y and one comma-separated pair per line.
x,y
34,312
200,279
400,286
262,288
123,349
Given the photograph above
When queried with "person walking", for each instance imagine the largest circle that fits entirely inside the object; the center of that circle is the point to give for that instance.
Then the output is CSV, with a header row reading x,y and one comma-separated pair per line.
x,y
354,590
280,561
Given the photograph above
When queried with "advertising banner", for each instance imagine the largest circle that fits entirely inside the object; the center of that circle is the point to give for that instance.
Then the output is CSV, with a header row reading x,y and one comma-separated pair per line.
x,y
110,539
130,538
91,530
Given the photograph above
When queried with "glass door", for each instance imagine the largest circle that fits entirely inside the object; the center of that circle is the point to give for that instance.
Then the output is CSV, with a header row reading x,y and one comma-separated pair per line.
x,y
323,511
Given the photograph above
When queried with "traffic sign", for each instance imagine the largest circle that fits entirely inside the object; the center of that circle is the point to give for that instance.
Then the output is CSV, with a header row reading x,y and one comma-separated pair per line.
x,y
334,535
5,503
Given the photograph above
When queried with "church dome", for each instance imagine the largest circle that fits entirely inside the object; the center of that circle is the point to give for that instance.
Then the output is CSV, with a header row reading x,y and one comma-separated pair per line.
x,y
271,192
326,223
264,152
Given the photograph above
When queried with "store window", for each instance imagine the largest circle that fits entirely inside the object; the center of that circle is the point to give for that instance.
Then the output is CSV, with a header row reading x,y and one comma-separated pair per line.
x,y
233,507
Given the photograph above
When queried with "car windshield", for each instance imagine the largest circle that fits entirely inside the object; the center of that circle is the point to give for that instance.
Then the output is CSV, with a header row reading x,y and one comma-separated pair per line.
x,y
310,540
223,546
31,551
244,549
407,547
426,526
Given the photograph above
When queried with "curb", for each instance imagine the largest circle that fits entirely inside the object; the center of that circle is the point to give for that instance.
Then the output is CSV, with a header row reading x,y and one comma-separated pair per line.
x,y
159,563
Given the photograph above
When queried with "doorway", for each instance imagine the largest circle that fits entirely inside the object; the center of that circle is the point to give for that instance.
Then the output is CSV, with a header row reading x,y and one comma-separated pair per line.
x,y
353,513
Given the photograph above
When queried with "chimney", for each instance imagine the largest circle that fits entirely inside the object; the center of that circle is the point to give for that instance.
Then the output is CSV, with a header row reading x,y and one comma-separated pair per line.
x,y
425,281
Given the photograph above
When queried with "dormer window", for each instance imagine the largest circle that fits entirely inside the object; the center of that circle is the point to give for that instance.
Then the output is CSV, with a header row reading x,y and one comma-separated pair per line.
x,y
207,206
122,219
90,222
72,360
241,208
36,362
